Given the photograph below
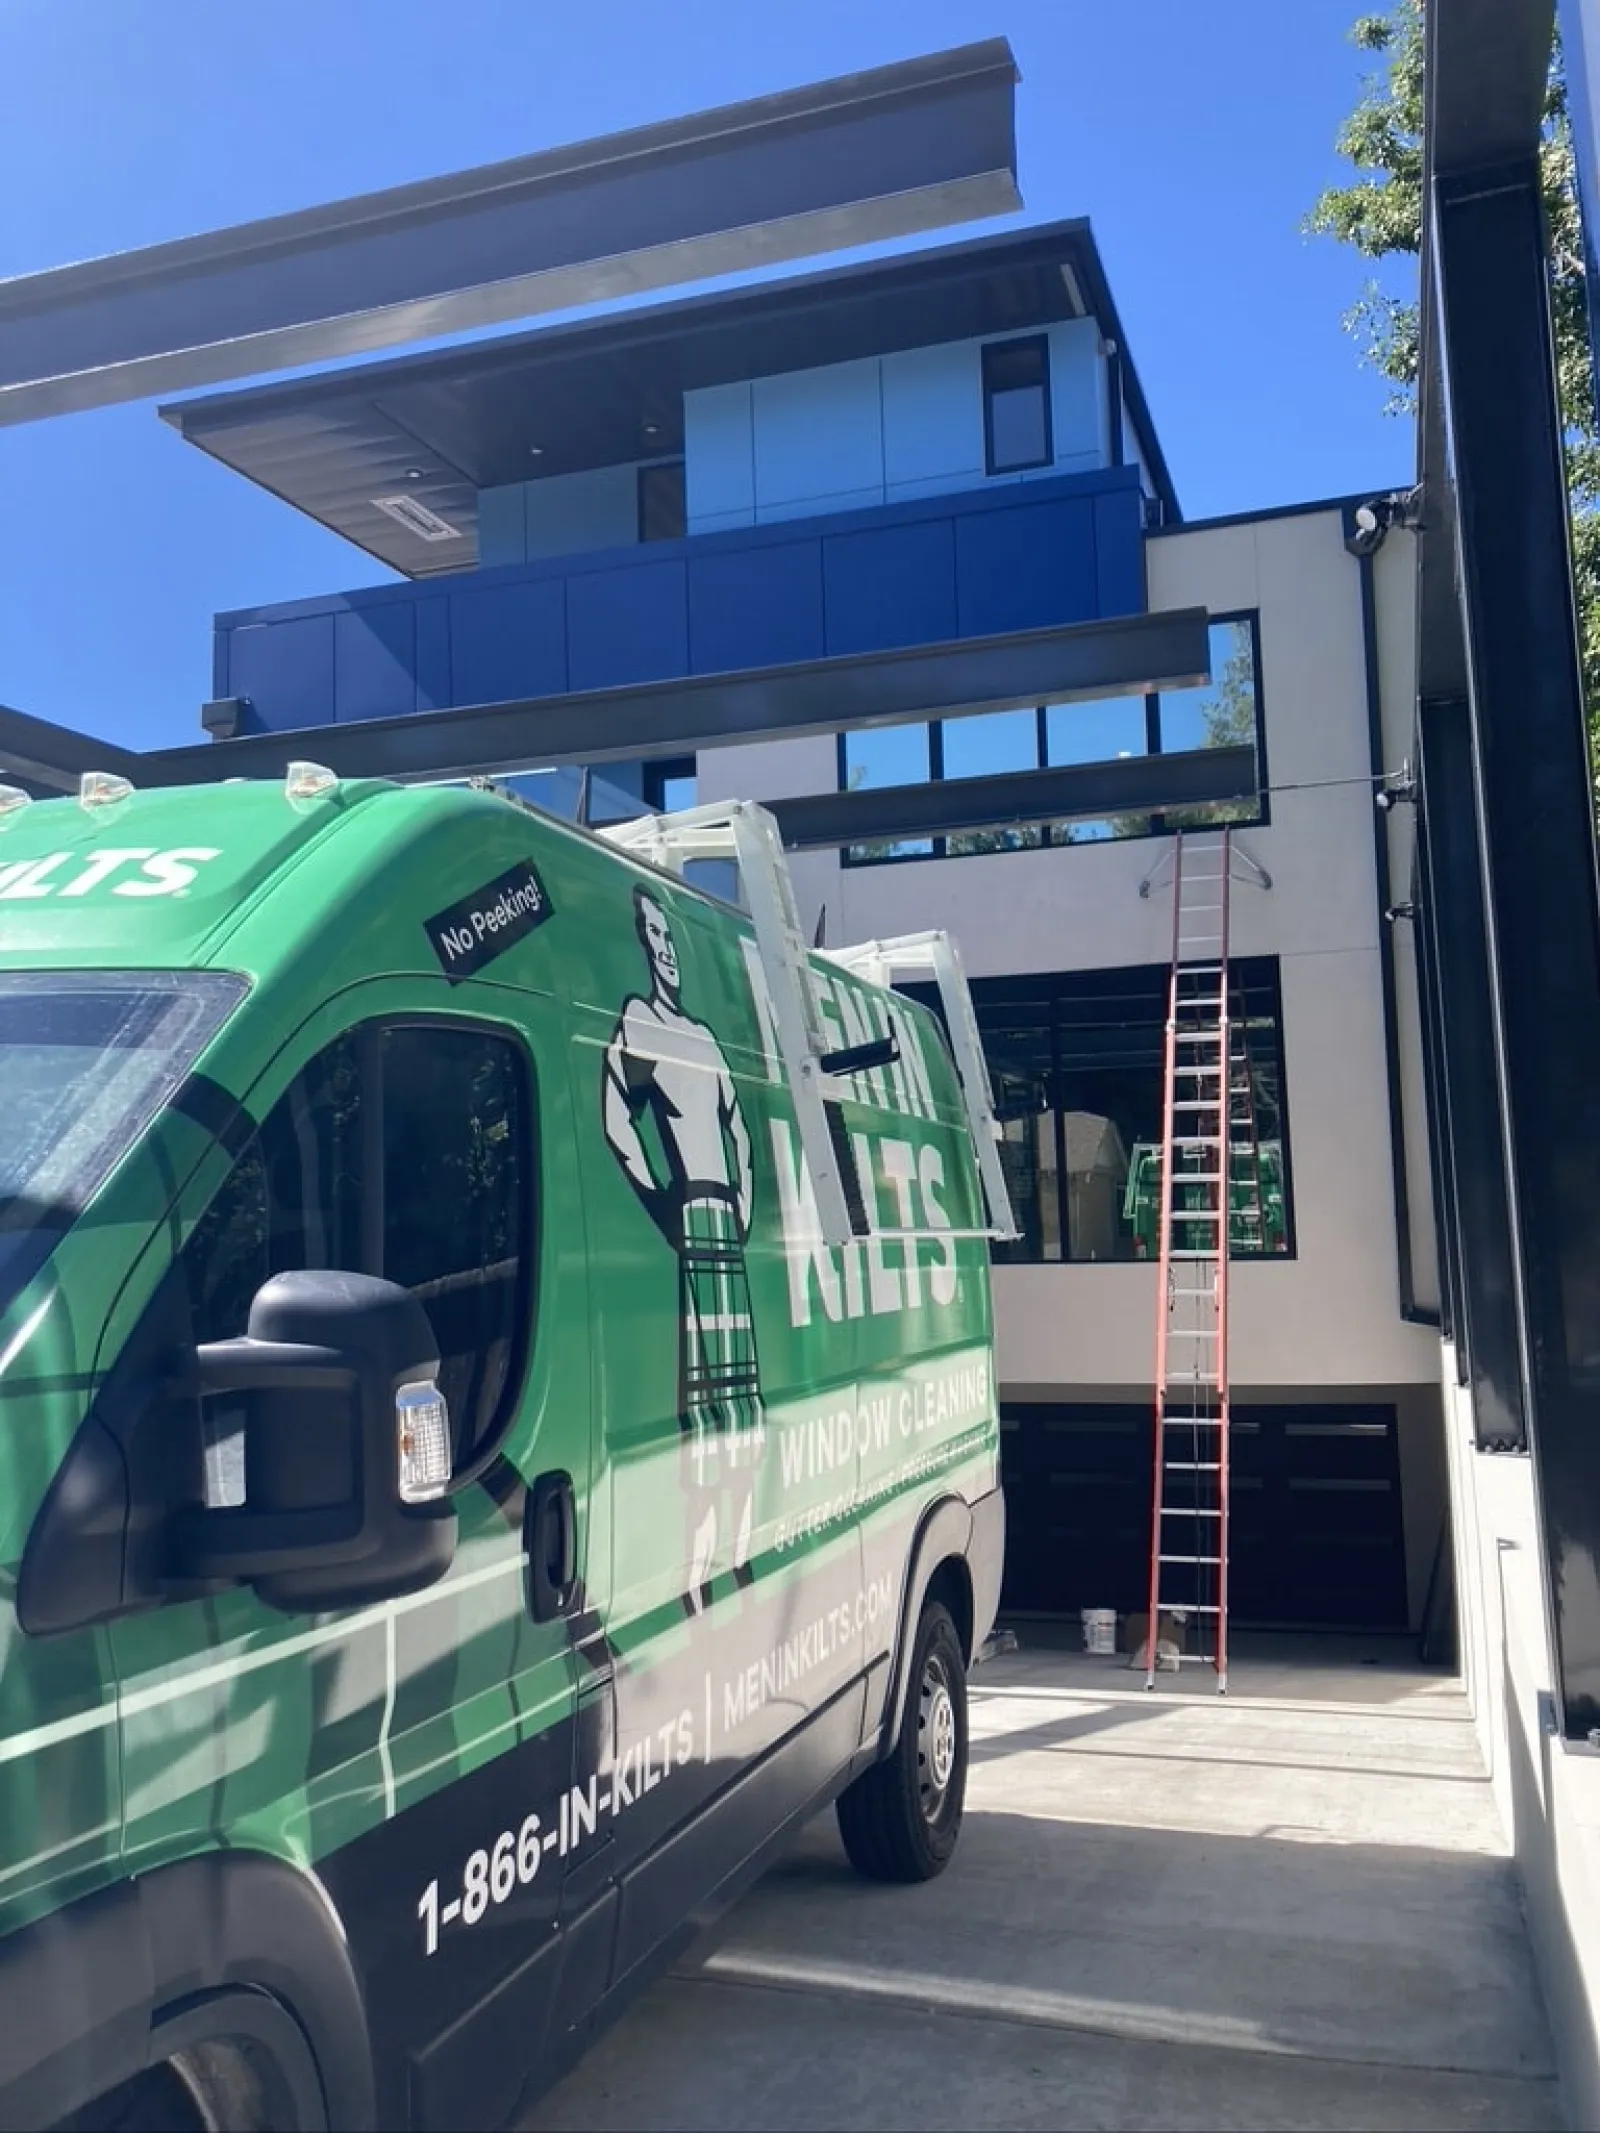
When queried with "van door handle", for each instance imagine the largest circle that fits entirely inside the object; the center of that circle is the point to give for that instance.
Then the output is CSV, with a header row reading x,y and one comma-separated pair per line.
x,y
550,1530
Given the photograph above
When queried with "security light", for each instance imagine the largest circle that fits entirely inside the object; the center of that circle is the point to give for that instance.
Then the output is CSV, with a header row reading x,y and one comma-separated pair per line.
x,y
1370,521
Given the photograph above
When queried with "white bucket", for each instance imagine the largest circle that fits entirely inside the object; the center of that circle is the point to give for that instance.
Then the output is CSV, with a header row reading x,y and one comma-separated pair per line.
x,y
1100,1629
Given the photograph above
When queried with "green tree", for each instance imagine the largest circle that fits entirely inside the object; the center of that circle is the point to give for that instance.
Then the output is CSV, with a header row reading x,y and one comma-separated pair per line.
x,y
1380,214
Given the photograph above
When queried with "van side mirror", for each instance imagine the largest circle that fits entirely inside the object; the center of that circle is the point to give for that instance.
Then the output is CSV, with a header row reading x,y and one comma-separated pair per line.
x,y
345,1453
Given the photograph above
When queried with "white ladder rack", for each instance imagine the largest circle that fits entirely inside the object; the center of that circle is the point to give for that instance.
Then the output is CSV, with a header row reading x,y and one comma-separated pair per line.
x,y
937,956
746,833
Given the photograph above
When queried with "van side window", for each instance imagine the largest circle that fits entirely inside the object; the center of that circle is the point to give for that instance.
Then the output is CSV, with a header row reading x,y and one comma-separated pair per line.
x,y
403,1150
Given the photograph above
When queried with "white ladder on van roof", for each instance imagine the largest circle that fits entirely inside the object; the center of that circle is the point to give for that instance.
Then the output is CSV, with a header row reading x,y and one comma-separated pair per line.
x,y
746,833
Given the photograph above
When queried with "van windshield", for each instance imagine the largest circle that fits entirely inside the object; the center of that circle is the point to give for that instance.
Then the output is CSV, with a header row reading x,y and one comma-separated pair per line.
x,y
87,1059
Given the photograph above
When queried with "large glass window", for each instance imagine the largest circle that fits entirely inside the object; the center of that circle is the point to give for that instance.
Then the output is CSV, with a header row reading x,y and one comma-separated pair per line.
x,y
887,755
986,746
404,1150
1076,1061
1016,404
1100,731
1224,713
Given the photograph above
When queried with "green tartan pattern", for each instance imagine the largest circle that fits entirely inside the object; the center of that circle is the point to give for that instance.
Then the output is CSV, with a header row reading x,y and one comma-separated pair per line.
x,y
719,1403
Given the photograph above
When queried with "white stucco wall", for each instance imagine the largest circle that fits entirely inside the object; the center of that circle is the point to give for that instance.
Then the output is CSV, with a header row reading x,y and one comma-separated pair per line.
x,y
1331,1316
1547,1789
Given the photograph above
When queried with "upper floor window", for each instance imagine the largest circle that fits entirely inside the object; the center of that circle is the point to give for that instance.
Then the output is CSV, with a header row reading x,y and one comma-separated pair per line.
x,y
404,1150
1016,405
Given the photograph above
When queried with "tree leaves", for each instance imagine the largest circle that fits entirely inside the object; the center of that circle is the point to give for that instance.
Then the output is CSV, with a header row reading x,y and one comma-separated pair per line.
x,y
1380,215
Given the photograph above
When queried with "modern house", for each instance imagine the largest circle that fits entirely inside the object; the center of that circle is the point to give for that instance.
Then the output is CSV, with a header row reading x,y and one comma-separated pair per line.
x,y
946,456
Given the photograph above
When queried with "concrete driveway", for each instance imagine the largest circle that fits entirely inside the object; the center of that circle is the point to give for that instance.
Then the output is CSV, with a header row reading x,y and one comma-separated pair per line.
x,y
1293,1909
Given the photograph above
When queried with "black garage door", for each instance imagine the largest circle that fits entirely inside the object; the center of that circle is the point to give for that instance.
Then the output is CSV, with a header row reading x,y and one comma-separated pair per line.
x,y
1317,1535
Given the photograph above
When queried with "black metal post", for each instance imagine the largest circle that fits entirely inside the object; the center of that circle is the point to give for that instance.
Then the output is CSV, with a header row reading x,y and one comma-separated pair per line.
x,y
1532,777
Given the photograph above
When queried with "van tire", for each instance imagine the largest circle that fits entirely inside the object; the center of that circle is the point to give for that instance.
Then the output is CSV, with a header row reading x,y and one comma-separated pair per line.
x,y
157,2101
900,1819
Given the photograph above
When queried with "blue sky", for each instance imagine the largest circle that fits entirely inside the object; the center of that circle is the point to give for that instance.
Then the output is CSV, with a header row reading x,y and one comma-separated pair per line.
x,y
1195,138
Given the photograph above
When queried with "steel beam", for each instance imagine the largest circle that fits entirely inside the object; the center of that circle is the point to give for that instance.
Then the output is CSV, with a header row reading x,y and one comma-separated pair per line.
x,y
899,149
1127,785
47,759
1084,660
1489,281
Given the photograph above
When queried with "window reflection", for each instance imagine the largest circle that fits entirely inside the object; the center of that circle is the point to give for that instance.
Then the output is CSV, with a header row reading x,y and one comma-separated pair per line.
x,y
1224,712
887,755
1076,1061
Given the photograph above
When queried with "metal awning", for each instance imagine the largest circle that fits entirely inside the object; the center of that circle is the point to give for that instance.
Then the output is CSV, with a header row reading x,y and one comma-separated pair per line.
x,y
898,149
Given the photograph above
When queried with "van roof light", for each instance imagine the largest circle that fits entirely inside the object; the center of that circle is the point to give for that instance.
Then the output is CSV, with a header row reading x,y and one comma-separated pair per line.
x,y
309,781
12,801
102,788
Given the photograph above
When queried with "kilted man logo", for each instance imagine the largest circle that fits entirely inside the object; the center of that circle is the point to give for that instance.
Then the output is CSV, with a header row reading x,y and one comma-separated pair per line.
x,y
664,1066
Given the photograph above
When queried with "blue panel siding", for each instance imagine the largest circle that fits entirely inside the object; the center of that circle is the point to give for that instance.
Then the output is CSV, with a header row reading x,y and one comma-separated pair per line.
x,y
375,662
1078,408
1119,551
1021,555
719,457
1025,568
508,638
756,606
502,526
891,586
286,670
818,433
434,692
627,625
933,417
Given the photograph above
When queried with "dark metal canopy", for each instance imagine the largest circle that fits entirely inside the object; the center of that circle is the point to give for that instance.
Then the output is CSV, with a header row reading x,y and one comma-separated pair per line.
x,y
1127,656
607,391
868,156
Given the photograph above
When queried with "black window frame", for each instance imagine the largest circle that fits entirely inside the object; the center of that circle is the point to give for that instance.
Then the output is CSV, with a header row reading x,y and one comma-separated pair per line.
x,y
660,772
1253,977
992,353
366,1036
1052,835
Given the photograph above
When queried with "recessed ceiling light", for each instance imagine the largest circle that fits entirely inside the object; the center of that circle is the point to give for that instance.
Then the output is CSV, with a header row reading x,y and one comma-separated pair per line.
x,y
407,511
413,473
536,451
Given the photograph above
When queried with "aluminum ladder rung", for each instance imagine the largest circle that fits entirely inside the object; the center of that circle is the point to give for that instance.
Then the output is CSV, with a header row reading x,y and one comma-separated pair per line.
x,y
1208,1562
1197,1511
1194,1466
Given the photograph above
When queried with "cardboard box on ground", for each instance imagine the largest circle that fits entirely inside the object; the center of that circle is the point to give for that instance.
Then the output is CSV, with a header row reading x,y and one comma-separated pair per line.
x,y
1171,1631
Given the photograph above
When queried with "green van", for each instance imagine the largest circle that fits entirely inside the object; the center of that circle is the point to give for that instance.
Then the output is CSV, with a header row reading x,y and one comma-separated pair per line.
x,y
464,1502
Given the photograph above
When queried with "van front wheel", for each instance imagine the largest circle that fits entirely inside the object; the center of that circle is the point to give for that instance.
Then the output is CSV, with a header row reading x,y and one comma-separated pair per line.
x,y
900,1819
